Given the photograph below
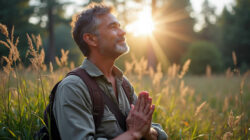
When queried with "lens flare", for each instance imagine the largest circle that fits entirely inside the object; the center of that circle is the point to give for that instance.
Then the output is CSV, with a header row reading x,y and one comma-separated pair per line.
x,y
144,25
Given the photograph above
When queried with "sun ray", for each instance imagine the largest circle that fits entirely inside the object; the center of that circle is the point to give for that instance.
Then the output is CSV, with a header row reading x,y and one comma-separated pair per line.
x,y
159,52
176,35
172,17
144,25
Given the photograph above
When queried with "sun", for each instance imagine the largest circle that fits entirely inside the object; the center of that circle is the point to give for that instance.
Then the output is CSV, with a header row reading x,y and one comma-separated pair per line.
x,y
144,25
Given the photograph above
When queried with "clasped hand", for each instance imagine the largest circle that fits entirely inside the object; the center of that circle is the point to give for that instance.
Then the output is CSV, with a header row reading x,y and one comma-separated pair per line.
x,y
140,116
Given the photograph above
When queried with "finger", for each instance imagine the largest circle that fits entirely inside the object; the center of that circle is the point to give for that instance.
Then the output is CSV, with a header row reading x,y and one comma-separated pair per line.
x,y
152,109
147,108
143,102
137,104
131,110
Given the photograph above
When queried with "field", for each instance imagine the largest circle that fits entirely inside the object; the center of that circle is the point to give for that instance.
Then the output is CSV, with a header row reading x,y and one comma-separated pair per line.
x,y
188,107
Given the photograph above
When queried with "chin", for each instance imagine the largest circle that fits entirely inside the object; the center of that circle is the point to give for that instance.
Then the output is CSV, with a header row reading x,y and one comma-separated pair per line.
x,y
122,49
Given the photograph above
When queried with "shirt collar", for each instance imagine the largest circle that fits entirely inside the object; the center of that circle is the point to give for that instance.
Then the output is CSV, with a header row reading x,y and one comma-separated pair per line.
x,y
94,71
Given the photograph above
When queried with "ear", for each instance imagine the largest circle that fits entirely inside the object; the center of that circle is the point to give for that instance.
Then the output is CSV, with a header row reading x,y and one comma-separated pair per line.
x,y
90,39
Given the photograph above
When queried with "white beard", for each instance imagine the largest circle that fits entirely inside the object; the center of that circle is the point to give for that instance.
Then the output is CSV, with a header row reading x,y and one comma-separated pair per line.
x,y
121,48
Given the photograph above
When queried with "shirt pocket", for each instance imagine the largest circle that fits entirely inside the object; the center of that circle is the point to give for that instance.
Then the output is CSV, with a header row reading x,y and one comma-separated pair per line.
x,y
109,126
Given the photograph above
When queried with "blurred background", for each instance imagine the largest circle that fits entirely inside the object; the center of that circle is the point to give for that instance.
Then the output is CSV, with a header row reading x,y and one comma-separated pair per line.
x,y
209,39
169,32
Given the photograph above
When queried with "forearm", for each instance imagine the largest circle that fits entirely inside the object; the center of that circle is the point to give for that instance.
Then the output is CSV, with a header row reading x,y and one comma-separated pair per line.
x,y
128,135
161,133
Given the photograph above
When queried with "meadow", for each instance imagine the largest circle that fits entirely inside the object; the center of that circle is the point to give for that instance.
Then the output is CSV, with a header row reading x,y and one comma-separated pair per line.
x,y
187,106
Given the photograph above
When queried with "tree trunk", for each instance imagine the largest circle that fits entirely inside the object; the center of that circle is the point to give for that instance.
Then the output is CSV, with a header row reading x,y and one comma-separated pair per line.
x,y
51,47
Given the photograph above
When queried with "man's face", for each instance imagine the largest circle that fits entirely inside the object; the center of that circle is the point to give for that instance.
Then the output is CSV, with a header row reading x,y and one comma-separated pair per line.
x,y
111,38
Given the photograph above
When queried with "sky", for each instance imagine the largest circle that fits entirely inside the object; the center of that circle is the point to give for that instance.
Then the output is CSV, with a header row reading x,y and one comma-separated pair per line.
x,y
218,4
196,4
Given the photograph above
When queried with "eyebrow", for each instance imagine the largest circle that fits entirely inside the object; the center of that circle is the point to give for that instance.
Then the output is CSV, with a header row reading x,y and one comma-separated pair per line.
x,y
114,23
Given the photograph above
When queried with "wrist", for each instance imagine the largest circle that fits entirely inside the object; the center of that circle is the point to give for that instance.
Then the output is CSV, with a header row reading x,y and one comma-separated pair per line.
x,y
151,135
134,135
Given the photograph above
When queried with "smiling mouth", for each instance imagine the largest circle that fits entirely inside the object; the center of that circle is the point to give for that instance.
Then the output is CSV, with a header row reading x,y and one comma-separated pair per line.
x,y
121,41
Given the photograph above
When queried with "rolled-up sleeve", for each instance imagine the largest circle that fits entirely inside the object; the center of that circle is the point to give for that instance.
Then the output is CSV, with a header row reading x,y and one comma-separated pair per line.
x,y
73,110
161,133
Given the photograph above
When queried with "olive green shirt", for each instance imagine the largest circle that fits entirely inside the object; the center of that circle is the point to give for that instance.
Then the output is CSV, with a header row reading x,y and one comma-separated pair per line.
x,y
73,107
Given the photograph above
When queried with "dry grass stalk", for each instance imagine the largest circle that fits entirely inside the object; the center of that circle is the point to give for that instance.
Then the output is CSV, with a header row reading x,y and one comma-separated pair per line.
x,y
151,72
157,76
208,71
140,67
238,119
233,121
185,68
173,70
199,108
227,136
183,89
229,73
7,69
234,58
243,82
4,30
63,61
5,44
230,120
37,59
13,51
51,67
128,67
226,104
72,65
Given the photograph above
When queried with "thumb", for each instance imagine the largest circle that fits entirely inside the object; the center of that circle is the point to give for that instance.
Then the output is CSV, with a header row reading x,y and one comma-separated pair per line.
x,y
131,110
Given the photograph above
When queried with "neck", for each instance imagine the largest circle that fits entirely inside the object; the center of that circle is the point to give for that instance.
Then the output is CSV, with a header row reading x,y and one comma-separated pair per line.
x,y
104,64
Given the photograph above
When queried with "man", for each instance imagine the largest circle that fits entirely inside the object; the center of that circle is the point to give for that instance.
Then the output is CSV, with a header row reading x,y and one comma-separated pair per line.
x,y
99,36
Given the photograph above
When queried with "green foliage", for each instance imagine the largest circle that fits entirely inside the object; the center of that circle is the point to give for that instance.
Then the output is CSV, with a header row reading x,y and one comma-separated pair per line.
x,y
210,30
235,33
203,53
16,13
64,40
22,102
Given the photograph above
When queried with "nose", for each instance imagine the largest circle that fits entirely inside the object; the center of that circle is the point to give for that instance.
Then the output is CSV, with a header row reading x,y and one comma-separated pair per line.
x,y
122,32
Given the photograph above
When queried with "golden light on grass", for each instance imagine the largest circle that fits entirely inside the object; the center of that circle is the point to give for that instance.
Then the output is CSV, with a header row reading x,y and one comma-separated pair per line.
x,y
144,25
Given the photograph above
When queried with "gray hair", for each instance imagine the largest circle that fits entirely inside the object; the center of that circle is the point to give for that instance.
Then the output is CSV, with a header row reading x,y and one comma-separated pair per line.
x,y
87,22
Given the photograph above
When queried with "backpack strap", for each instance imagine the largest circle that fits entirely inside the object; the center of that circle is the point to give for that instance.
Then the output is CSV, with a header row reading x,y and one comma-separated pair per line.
x,y
96,97
99,98
127,89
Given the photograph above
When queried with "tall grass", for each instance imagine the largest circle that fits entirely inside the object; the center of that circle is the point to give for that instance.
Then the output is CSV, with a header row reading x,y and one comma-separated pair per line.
x,y
188,107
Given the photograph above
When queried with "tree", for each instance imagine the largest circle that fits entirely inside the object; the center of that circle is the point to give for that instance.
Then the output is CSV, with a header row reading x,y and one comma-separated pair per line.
x,y
17,13
235,33
203,53
53,10
210,30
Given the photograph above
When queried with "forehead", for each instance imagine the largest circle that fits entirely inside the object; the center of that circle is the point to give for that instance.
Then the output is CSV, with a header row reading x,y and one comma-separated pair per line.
x,y
107,19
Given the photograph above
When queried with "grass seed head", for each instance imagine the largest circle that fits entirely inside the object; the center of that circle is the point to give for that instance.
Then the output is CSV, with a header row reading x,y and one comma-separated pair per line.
x,y
4,30
185,68
227,136
234,58
51,67
230,121
199,108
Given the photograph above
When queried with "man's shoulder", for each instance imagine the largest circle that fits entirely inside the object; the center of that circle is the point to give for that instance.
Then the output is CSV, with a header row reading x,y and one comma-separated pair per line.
x,y
72,81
